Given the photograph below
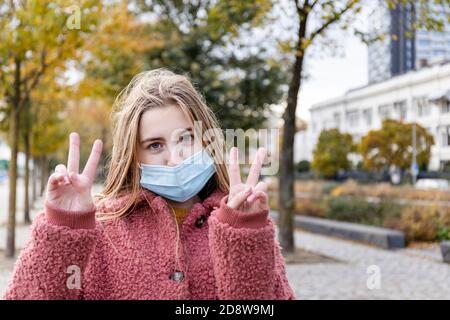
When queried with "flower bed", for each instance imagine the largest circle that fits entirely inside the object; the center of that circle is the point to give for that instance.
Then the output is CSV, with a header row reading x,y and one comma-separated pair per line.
x,y
350,202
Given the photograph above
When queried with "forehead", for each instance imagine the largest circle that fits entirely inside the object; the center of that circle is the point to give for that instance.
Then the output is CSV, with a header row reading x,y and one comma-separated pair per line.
x,y
162,122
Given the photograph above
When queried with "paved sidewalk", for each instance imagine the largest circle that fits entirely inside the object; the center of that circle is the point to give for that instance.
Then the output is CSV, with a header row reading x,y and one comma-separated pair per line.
x,y
404,273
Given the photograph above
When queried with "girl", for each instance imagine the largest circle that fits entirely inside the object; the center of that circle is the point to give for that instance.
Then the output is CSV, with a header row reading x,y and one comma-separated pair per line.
x,y
173,222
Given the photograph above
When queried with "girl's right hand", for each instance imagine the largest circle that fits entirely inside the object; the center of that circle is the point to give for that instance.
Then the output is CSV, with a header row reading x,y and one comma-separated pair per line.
x,y
66,188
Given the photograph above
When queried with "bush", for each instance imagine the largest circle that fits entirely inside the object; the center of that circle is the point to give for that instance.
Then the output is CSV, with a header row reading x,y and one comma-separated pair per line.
x,y
331,153
316,188
355,210
443,232
419,223
425,223
309,207
359,210
303,166
328,187
386,190
313,187
349,188
387,210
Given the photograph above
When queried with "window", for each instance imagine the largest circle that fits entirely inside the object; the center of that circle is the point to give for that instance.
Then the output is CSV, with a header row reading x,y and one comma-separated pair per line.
x,y
367,116
445,107
400,109
424,42
352,118
445,135
384,111
337,119
423,109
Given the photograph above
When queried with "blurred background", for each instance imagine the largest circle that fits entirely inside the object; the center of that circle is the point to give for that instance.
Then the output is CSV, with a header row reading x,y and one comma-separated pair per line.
x,y
358,91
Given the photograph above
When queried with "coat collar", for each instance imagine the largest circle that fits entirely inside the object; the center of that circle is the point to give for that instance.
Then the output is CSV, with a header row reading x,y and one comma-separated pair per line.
x,y
210,203
154,201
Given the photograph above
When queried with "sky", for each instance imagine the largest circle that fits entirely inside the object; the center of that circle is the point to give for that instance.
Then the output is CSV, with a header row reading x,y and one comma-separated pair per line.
x,y
330,77
334,64
327,76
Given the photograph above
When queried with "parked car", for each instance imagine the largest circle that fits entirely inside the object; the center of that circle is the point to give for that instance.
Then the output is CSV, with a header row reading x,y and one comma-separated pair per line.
x,y
427,184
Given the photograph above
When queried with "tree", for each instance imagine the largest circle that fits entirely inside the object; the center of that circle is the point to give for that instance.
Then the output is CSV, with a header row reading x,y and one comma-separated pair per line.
x,y
392,146
314,19
331,153
49,123
115,53
303,166
202,38
37,36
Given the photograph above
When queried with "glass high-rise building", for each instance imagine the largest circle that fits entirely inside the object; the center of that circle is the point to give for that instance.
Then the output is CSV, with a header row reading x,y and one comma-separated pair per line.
x,y
404,48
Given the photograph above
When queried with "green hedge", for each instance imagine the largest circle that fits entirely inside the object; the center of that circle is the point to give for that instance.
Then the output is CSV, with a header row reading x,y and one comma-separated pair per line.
x,y
358,210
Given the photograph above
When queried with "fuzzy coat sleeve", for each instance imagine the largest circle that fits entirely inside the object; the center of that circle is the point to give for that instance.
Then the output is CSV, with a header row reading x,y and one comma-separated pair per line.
x,y
246,257
53,261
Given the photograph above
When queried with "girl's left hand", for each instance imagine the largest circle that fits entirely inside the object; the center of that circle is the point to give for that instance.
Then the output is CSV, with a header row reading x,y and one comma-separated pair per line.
x,y
250,196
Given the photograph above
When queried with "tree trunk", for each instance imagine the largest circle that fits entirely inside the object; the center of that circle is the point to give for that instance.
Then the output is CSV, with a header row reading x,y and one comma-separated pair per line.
x,y
286,198
26,141
34,182
46,173
12,172
43,174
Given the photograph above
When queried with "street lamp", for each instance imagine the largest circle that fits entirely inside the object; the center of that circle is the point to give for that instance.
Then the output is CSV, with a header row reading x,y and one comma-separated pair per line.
x,y
414,166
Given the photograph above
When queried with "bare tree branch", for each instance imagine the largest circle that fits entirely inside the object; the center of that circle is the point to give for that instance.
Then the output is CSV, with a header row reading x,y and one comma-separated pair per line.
x,y
39,74
313,4
38,69
350,4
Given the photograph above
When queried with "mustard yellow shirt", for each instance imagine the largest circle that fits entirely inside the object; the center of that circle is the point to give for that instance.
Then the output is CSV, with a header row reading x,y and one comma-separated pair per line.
x,y
180,213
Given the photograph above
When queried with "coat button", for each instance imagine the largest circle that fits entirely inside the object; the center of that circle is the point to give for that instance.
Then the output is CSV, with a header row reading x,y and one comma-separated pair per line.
x,y
177,276
200,221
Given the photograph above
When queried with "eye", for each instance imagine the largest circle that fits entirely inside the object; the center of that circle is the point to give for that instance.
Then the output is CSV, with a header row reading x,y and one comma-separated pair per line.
x,y
187,138
154,146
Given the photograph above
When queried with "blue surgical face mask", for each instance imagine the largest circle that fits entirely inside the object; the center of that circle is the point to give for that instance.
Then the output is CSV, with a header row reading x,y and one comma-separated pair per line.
x,y
181,182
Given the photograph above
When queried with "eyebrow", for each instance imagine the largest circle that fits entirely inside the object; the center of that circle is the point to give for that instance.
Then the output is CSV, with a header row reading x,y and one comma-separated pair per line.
x,y
161,138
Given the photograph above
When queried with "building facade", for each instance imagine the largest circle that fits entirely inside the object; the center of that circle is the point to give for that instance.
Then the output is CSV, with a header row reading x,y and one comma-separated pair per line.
x,y
421,96
403,48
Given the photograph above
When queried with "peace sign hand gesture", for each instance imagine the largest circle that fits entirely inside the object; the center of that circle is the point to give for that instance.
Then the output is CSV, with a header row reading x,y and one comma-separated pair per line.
x,y
66,188
250,196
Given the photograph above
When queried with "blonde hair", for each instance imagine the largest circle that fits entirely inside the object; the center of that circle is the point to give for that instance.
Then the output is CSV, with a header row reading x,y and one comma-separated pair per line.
x,y
155,88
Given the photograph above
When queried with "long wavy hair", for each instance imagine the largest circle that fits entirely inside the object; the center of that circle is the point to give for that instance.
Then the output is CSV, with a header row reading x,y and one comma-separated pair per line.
x,y
150,89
